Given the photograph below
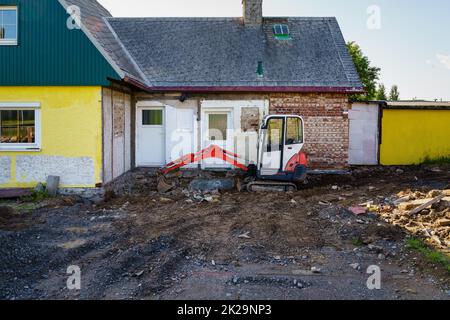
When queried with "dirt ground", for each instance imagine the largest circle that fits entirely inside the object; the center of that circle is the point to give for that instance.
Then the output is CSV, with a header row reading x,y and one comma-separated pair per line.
x,y
302,245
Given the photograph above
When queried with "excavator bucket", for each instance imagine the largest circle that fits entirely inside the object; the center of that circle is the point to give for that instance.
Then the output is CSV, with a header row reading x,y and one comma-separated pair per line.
x,y
164,186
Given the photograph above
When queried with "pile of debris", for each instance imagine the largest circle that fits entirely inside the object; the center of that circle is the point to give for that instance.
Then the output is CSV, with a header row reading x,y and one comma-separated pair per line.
x,y
202,196
422,214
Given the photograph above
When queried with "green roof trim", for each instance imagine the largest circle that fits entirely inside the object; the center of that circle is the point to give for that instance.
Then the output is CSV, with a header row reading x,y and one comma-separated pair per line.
x,y
283,37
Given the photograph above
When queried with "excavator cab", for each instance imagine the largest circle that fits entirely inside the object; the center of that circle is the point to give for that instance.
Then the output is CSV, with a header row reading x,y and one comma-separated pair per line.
x,y
280,156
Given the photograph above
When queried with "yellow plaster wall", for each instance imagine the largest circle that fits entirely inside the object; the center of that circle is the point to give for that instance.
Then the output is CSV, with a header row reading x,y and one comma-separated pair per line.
x,y
411,136
71,126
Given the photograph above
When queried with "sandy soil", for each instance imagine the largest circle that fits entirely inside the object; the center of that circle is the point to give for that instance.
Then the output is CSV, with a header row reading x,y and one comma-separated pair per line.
x,y
302,245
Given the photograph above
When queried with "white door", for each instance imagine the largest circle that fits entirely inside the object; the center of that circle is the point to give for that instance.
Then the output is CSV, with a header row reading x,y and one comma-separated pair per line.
x,y
180,129
217,130
150,142
363,135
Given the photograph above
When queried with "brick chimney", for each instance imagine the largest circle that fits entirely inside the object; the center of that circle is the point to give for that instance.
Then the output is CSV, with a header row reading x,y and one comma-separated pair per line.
x,y
253,14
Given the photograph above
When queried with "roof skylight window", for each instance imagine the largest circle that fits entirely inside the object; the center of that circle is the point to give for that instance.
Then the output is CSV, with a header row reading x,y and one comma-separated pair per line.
x,y
281,31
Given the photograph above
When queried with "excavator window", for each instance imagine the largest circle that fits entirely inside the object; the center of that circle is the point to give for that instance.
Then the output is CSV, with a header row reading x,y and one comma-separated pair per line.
x,y
294,134
274,134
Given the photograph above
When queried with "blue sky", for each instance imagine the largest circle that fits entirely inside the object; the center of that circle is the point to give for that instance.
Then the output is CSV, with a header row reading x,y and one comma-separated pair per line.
x,y
412,45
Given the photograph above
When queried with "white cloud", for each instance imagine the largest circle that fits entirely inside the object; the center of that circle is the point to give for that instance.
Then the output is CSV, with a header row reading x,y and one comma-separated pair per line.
x,y
444,59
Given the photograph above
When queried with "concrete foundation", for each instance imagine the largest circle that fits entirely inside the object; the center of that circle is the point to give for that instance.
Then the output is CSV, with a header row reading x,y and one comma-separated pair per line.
x,y
5,169
73,171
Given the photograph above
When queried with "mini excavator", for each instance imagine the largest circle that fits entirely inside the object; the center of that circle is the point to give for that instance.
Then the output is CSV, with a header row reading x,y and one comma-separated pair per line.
x,y
281,165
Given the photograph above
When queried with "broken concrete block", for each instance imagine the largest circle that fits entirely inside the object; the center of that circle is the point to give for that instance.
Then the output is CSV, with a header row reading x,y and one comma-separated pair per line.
x,y
316,270
211,184
443,222
355,266
52,185
434,193
402,199
165,200
163,185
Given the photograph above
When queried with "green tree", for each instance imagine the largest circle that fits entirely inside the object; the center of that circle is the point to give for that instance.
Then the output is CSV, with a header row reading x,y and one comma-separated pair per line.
x,y
367,73
394,95
381,93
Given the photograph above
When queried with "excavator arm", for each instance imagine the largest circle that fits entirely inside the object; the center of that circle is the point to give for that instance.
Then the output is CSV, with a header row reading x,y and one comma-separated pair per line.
x,y
211,152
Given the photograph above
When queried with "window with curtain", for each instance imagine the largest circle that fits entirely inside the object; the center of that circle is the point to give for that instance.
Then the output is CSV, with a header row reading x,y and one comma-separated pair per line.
x,y
8,25
17,126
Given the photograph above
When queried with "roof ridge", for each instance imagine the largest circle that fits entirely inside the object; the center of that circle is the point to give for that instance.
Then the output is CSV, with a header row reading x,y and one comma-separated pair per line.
x,y
173,18
215,18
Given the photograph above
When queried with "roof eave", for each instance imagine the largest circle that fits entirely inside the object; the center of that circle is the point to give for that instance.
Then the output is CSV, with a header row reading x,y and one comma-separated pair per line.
x,y
264,89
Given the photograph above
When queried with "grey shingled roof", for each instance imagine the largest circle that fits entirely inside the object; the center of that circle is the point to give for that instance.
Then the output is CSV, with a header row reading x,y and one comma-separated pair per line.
x,y
222,52
93,19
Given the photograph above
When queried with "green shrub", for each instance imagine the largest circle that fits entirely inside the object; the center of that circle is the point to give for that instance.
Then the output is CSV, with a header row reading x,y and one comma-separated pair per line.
x,y
436,161
430,254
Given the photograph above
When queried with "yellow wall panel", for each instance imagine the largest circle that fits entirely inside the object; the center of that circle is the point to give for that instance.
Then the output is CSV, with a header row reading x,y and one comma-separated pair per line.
x,y
412,136
71,143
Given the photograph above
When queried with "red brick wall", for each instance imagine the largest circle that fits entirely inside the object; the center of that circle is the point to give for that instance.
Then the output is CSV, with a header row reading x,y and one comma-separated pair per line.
x,y
326,125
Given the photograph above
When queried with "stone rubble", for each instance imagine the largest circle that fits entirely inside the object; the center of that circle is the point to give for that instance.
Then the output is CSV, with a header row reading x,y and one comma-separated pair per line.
x,y
431,223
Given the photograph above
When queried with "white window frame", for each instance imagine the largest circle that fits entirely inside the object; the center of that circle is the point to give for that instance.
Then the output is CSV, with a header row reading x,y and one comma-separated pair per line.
x,y
36,146
152,109
11,42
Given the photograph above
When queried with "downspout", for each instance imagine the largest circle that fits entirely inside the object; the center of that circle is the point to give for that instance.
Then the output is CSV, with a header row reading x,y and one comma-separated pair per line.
x,y
381,107
133,130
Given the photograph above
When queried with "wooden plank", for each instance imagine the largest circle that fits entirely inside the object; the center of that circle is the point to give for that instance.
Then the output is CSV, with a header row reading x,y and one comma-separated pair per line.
x,y
405,206
426,205
15,193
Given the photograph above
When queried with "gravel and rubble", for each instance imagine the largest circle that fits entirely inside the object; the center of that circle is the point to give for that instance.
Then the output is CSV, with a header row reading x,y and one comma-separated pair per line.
x,y
422,213
187,244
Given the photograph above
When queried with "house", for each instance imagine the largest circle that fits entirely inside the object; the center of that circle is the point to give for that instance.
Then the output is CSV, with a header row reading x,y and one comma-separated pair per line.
x,y
87,97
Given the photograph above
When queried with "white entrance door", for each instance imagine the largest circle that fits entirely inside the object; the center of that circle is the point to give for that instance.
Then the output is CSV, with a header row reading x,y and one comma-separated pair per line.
x,y
150,141
217,130
363,138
